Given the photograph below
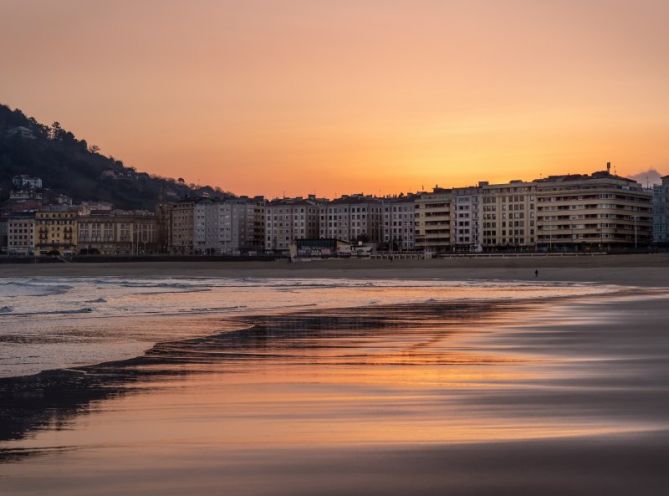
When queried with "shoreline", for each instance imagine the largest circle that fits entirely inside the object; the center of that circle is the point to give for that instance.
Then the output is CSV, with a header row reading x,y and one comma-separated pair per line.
x,y
405,389
238,324
67,389
645,270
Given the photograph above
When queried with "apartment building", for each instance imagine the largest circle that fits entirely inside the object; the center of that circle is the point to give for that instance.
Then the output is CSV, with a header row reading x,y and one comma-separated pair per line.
x,y
56,231
466,219
21,234
4,226
571,212
116,232
597,210
290,219
163,214
433,217
508,215
399,227
352,218
661,212
252,225
181,227
206,227
229,227
24,181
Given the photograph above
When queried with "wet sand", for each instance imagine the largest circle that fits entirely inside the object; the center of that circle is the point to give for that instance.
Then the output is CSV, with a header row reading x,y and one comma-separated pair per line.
x,y
562,396
639,270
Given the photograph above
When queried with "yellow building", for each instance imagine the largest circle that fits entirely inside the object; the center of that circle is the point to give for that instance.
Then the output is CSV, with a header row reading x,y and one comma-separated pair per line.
x,y
117,232
570,213
56,231
508,215
433,220
181,228
599,210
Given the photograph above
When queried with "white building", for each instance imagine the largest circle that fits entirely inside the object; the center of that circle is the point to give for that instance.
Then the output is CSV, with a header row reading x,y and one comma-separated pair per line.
x,y
24,181
86,207
352,218
597,210
290,219
508,215
4,225
21,234
572,212
433,221
399,228
466,219
661,212
229,227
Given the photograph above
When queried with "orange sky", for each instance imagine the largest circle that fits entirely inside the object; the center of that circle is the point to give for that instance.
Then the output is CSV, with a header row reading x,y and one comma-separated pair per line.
x,y
289,97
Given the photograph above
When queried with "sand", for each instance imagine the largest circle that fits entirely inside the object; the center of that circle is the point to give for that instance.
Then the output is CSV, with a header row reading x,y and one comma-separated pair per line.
x,y
554,397
637,270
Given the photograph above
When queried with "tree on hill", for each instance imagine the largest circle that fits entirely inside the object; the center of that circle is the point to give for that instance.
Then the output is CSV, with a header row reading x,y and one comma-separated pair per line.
x,y
70,166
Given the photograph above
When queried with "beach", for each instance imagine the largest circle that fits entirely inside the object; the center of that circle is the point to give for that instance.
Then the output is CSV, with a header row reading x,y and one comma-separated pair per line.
x,y
396,378
638,269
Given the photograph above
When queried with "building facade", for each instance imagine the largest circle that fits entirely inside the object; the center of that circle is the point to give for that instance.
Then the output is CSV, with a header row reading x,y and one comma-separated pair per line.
x,y
321,248
206,227
181,228
56,231
229,227
287,220
466,225
24,181
399,227
508,216
433,221
661,212
4,227
598,210
572,212
117,232
354,218
21,234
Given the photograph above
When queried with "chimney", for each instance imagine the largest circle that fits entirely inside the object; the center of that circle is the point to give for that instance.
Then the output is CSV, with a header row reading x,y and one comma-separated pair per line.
x,y
608,167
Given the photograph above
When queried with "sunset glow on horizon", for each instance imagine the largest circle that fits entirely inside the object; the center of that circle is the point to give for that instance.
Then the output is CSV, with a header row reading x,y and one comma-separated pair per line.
x,y
380,97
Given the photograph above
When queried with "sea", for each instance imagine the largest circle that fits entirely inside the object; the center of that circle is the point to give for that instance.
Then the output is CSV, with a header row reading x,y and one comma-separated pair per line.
x,y
331,386
51,323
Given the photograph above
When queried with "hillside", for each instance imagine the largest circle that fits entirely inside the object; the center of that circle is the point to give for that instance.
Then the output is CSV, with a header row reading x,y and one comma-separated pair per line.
x,y
70,166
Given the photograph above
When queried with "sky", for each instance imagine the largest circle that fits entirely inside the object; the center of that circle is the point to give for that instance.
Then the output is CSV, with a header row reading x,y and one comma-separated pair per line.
x,y
290,97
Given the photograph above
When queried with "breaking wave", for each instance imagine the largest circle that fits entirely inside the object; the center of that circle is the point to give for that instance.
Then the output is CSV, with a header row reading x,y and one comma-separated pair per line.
x,y
13,289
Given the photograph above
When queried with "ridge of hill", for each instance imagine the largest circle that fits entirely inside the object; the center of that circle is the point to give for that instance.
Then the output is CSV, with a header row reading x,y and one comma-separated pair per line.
x,y
71,166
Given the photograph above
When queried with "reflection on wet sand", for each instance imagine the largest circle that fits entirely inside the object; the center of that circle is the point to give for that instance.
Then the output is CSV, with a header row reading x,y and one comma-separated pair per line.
x,y
468,398
50,399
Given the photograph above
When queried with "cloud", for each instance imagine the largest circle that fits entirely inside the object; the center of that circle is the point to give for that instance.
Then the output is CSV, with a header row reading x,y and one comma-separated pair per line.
x,y
649,177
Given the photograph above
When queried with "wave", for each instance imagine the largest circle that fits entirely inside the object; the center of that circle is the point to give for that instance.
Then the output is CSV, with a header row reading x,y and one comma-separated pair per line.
x,y
13,289
213,309
55,312
178,291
